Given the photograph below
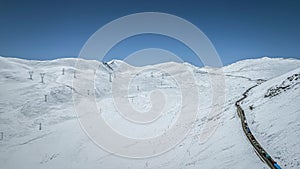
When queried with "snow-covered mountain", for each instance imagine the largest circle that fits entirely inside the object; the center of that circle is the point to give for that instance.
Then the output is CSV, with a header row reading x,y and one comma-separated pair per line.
x,y
61,142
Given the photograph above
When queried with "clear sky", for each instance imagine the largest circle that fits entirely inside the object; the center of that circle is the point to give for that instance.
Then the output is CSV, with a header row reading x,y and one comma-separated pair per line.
x,y
239,29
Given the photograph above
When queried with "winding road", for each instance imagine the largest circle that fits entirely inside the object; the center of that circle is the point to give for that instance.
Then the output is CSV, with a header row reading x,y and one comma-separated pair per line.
x,y
263,155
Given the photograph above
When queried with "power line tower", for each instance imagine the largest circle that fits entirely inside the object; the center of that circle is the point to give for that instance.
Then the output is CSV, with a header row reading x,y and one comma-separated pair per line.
x,y
30,74
1,135
42,77
46,98
110,77
75,74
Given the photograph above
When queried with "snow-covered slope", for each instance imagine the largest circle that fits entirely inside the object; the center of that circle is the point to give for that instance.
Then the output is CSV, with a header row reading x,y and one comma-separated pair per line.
x,y
264,68
275,118
63,144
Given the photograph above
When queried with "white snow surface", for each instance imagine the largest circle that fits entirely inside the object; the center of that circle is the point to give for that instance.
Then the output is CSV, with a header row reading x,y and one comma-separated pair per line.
x,y
62,143
275,118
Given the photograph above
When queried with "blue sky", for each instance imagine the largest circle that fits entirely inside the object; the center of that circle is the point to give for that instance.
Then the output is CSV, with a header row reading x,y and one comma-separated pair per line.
x,y
240,29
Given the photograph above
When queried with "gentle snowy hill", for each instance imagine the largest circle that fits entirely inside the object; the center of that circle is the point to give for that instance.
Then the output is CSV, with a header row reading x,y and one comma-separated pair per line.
x,y
61,143
264,68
